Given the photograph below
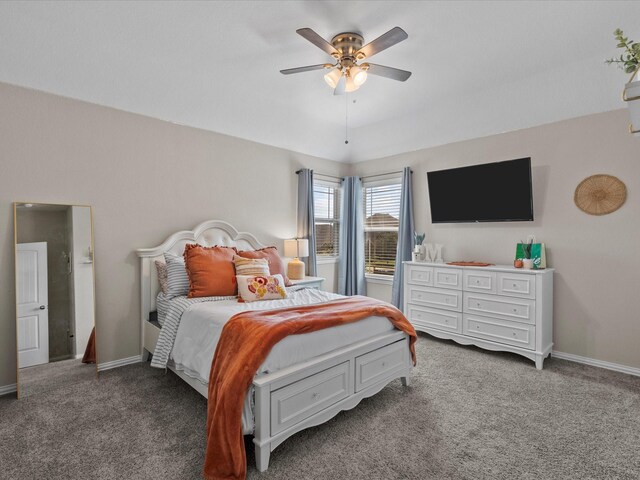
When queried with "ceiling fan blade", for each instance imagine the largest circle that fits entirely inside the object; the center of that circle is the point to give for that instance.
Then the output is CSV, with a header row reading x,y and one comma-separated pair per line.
x,y
389,39
317,40
308,68
389,72
340,86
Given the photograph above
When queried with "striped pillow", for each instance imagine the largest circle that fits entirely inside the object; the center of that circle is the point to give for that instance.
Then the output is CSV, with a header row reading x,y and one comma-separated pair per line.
x,y
177,278
251,266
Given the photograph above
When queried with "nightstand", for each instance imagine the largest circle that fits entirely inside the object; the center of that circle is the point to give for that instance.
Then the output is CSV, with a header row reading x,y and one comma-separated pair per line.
x,y
309,282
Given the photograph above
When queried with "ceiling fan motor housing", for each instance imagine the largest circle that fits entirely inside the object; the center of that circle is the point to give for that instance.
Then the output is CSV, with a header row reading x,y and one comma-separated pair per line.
x,y
347,44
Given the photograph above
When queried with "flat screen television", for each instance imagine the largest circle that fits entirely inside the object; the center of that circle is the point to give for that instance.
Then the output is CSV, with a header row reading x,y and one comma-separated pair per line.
x,y
491,192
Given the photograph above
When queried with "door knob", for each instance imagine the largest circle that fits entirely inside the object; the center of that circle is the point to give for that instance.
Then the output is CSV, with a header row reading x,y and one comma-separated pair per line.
x,y
42,307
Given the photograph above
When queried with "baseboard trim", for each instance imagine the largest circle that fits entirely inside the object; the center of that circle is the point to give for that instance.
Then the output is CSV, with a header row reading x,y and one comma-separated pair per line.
x,y
596,363
7,389
119,363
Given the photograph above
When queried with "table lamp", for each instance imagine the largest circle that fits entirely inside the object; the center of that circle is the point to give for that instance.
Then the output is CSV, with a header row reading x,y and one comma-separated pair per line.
x,y
296,248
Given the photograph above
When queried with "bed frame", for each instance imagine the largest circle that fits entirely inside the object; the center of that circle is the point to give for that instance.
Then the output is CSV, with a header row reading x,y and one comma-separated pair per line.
x,y
299,396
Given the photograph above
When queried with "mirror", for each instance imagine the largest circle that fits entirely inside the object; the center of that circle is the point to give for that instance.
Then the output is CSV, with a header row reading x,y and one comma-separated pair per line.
x,y
55,308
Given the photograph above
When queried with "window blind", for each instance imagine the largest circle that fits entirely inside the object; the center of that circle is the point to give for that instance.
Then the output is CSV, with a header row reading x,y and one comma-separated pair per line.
x,y
381,214
326,203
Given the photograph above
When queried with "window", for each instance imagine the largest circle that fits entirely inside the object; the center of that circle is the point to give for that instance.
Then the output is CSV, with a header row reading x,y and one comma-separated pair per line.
x,y
326,204
381,219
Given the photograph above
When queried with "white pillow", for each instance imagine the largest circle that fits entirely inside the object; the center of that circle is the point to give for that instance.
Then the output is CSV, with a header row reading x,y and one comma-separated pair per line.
x,y
177,278
252,288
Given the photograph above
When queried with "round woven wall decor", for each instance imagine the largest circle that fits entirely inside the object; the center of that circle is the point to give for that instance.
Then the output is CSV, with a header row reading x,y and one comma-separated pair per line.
x,y
600,194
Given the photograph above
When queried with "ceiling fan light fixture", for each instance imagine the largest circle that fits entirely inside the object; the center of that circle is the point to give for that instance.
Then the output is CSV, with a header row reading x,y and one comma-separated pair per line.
x,y
350,85
359,75
333,77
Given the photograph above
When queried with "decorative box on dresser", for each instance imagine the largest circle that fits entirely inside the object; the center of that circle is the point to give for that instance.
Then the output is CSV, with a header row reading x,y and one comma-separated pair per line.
x,y
496,307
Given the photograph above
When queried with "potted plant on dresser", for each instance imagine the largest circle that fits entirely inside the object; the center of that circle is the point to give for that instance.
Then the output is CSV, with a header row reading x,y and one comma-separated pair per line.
x,y
629,61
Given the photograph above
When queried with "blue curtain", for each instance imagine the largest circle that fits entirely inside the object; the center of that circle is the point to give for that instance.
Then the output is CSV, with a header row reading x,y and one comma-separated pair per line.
x,y
306,218
351,260
405,237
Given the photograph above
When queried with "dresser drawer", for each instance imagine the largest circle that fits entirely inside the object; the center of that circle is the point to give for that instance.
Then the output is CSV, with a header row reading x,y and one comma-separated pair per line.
x,y
300,400
500,331
435,297
418,275
514,285
477,281
447,278
516,309
375,366
432,318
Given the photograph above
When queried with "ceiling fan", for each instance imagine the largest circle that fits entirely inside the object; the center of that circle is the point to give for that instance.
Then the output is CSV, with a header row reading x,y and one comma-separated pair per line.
x,y
346,75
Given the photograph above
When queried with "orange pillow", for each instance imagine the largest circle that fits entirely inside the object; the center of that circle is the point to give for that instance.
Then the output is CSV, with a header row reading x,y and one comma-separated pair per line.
x,y
276,265
211,271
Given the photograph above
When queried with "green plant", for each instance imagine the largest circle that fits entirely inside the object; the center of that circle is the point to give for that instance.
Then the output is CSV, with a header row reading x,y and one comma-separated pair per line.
x,y
526,249
629,60
419,238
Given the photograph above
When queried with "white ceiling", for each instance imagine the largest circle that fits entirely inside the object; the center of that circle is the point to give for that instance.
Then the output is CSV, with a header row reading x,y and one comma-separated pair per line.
x,y
479,68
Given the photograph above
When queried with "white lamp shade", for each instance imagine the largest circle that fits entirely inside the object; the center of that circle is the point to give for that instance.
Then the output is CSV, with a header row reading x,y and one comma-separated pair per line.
x,y
333,77
350,86
296,248
303,247
358,75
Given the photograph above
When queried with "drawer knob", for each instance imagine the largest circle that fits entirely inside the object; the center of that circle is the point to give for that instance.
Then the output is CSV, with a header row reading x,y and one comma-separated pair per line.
x,y
315,395
384,364
478,327
515,286
446,321
478,305
514,334
478,281
515,309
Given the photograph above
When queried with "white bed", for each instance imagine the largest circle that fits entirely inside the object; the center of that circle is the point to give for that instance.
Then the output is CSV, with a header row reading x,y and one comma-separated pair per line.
x,y
306,379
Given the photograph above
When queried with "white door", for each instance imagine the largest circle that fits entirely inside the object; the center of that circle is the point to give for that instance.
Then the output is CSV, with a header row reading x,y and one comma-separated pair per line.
x,y
33,316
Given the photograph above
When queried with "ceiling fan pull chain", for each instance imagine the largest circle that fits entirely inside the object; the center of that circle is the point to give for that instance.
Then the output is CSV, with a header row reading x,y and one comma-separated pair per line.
x,y
346,118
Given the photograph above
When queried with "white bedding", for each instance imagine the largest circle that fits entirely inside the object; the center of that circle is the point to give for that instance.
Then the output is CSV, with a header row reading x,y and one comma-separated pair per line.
x,y
201,324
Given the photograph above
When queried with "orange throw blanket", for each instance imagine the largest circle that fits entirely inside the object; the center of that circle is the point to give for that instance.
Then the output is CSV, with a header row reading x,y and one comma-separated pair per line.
x,y
245,343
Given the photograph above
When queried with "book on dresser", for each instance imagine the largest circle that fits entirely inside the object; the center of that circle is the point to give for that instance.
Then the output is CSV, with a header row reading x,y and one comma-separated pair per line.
x,y
496,308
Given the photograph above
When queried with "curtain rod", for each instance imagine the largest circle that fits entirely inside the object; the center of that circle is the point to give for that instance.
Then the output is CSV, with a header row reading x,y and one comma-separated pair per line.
x,y
322,175
361,178
384,174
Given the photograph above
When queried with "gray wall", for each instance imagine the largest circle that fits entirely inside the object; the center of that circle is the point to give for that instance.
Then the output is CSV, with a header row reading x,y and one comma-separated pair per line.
x,y
597,259
51,227
145,179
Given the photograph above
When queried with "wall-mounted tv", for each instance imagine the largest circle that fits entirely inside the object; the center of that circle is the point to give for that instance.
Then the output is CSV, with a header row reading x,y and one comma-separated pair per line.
x,y
491,192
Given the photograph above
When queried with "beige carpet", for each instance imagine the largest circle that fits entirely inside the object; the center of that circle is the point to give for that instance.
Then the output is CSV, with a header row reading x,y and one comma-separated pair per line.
x,y
469,414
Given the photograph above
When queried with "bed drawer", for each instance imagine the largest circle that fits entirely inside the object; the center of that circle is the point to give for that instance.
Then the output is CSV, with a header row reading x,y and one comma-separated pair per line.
x,y
300,400
418,275
150,336
435,318
501,331
435,297
448,278
515,309
517,285
375,366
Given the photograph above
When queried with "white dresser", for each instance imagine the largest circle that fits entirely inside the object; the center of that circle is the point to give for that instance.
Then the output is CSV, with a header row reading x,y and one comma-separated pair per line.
x,y
497,307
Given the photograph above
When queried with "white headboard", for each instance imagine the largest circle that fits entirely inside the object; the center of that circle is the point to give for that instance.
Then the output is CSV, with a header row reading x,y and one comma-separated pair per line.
x,y
210,233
